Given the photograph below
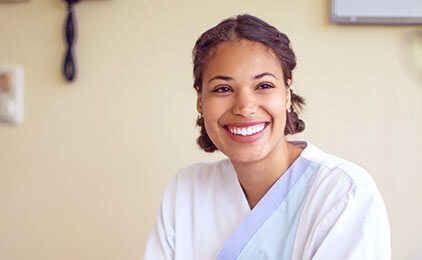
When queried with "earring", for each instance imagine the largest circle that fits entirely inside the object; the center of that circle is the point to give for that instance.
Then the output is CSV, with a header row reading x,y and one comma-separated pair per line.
x,y
289,110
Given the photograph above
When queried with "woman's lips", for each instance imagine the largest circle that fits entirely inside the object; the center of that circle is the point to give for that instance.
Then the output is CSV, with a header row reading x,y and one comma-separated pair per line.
x,y
246,132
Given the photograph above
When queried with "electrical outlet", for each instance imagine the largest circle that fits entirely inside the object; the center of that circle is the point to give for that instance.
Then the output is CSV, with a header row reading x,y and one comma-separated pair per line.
x,y
13,1
11,94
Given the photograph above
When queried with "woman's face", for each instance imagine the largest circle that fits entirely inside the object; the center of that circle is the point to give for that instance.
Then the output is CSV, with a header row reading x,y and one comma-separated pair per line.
x,y
244,100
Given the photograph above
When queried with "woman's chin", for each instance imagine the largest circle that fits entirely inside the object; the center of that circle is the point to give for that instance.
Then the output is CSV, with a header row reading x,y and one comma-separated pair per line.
x,y
244,156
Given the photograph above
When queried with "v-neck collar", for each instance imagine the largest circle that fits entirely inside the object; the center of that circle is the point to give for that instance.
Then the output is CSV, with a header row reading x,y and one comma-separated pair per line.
x,y
302,144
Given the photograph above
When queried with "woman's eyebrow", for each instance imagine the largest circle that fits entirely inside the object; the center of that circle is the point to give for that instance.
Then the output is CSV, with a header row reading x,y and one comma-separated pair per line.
x,y
220,77
264,74
227,78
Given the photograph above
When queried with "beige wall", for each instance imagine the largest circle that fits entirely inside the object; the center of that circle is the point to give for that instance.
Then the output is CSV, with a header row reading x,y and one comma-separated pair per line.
x,y
82,177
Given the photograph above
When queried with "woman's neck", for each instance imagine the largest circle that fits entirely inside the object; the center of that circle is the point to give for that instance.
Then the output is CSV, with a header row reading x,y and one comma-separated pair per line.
x,y
256,178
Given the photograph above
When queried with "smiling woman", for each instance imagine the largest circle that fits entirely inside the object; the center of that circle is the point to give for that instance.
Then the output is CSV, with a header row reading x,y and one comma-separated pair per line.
x,y
271,198
252,94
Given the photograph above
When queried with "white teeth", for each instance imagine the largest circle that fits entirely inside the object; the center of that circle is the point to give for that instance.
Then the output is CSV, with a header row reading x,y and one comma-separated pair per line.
x,y
245,131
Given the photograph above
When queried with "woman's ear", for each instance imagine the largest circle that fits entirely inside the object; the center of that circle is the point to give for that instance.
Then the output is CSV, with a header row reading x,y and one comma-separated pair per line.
x,y
288,94
199,103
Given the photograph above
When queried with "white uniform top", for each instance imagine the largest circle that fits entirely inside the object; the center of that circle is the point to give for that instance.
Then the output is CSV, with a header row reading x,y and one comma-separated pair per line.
x,y
328,209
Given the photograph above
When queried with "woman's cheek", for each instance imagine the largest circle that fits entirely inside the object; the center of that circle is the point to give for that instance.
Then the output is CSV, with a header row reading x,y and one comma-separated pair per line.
x,y
276,104
215,107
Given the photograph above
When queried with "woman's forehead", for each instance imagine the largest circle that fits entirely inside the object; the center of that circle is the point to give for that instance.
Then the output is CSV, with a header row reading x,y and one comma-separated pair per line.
x,y
242,57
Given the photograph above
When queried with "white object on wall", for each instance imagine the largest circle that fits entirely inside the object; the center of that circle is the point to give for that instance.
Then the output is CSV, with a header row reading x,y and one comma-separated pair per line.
x,y
11,94
376,11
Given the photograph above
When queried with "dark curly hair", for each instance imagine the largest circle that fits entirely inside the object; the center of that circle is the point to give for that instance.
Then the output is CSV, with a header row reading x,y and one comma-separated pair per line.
x,y
251,28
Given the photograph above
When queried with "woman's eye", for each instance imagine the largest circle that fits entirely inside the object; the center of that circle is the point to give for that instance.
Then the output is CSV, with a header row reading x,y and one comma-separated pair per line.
x,y
265,86
222,89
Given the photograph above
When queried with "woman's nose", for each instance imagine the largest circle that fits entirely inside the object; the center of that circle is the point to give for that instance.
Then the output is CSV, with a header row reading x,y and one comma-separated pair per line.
x,y
245,104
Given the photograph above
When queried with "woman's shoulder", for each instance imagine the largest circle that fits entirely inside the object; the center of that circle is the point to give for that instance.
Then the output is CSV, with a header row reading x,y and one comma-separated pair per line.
x,y
339,184
193,185
344,204
201,173
338,169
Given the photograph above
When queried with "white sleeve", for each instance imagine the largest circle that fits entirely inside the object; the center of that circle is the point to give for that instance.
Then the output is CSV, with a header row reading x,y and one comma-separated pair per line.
x,y
356,228
160,244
